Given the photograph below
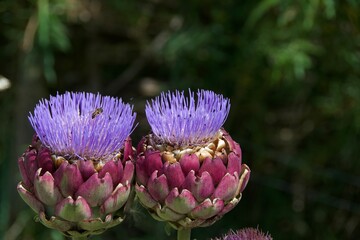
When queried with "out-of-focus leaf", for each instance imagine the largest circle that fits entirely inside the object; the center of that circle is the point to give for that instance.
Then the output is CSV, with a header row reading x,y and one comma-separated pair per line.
x,y
52,36
330,10
311,9
58,34
43,23
262,7
48,62
292,59
185,42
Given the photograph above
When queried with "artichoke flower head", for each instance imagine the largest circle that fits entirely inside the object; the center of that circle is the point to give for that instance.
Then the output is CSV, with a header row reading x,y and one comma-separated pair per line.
x,y
77,172
188,169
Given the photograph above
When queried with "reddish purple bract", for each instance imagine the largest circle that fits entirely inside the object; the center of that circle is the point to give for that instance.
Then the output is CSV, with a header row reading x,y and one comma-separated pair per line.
x,y
190,192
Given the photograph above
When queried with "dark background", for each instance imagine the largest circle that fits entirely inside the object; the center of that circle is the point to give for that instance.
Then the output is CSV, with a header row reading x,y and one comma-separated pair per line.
x,y
290,68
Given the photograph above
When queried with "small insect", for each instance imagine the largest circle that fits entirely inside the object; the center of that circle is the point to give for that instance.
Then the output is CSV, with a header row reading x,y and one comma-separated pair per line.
x,y
96,112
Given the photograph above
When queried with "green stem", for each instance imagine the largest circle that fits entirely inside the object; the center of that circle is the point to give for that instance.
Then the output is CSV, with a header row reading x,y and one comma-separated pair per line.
x,y
184,234
79,238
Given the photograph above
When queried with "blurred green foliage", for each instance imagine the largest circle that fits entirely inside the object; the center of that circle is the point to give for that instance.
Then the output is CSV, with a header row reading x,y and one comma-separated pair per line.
x,y
290,68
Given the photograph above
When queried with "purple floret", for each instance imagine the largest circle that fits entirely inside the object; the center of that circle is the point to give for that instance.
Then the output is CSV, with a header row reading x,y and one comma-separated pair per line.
x,y
83,125
246,234
181,120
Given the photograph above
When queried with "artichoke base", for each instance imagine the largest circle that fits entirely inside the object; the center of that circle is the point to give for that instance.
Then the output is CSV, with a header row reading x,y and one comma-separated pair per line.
x,y
83,228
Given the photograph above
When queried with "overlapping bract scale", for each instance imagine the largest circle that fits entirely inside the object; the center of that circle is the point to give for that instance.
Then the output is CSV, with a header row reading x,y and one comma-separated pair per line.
x,y
75,198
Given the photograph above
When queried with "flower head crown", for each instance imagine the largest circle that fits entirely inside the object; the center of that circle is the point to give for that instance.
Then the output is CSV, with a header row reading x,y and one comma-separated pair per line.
x,y
83,125
180,121
246,234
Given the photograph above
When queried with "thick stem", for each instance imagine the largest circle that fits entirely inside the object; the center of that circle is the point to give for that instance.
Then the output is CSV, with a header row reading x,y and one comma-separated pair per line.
x,y
184,234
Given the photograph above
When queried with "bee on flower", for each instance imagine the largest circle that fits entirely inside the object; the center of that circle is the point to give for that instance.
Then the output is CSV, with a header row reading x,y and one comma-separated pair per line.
x,y
77,173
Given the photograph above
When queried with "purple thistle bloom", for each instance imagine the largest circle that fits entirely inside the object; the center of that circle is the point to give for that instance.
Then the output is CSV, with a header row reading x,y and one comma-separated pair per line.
x,y
246,234
181,121
83,125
